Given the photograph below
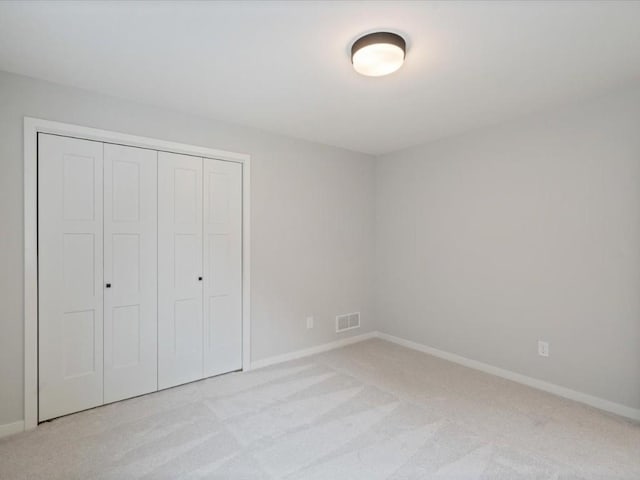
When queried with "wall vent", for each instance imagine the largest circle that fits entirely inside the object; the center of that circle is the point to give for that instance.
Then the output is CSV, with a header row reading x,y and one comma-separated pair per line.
x,y
348,321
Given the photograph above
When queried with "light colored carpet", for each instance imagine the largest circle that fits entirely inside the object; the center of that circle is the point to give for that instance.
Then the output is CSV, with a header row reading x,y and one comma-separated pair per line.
x,y
369,411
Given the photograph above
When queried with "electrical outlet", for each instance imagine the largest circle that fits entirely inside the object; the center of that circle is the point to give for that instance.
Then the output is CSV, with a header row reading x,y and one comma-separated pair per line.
x,y
309,322
543,348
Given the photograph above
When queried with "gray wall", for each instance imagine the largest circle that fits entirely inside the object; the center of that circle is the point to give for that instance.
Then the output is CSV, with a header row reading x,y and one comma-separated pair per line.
x,y
312,214
485,242
492,240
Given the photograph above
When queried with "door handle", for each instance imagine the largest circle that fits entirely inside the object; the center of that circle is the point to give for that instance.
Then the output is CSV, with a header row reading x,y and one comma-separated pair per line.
x,y
199,279
108,285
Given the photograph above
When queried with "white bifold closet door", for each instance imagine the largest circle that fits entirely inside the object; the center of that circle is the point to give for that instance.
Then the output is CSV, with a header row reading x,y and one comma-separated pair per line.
x,y
70,288
199,268
130,272
180,355
139,271
222,267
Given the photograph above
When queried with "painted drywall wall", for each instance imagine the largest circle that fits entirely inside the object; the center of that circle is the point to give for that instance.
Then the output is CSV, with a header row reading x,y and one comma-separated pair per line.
x,y
490,241
312,214
486,242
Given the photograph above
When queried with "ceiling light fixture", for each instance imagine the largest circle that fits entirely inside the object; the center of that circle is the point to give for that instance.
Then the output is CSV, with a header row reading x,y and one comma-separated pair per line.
x,y
378,54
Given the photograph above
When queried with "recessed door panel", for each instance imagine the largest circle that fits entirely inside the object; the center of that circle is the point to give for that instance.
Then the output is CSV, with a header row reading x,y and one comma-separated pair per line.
x,y
126,324
78,193
70,244
127,261
79,348
126,185
186,203
223,267
79,272
220,260
180,329
130,270
187,259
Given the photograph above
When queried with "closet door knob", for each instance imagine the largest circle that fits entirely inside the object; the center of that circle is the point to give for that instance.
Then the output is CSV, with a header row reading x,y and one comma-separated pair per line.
x,y
199,279
108,285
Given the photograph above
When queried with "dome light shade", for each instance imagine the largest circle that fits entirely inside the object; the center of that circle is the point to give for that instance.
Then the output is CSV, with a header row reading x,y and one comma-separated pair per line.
x,y
378,54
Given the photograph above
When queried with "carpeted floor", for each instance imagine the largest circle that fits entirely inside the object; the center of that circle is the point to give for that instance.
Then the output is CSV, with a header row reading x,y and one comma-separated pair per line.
x,y
369,411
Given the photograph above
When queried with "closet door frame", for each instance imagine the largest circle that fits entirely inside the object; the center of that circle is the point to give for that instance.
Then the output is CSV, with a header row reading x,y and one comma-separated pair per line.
x,y
33,126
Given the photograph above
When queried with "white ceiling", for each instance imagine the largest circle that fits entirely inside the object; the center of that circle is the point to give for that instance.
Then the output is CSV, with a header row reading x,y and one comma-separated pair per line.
x,y
284,66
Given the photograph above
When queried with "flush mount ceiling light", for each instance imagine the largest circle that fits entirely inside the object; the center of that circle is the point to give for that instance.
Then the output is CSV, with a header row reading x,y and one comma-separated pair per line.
x,y
378,54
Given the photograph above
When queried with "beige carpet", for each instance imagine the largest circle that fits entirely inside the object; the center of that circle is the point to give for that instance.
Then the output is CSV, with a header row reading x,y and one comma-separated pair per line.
x,y
370,411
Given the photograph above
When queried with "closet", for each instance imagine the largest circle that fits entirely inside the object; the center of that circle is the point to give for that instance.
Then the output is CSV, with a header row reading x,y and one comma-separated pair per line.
x,y
139,271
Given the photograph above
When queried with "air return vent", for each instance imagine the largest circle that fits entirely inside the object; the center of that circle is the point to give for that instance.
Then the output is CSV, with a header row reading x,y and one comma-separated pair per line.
x,y
348,321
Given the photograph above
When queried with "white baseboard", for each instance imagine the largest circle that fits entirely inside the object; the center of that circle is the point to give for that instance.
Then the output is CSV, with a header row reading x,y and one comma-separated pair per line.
x,y
600,403
311,351
11,428
596,402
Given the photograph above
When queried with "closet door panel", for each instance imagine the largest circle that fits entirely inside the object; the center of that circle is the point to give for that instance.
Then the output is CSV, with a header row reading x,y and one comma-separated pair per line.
x,y
130,268
70,287
180,327
223,267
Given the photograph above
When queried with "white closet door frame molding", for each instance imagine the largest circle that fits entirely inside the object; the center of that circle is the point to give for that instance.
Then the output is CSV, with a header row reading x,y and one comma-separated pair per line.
x,y
33,126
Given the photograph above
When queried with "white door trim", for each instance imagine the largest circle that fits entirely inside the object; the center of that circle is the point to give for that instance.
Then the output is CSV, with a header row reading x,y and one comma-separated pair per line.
x,y
33,126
